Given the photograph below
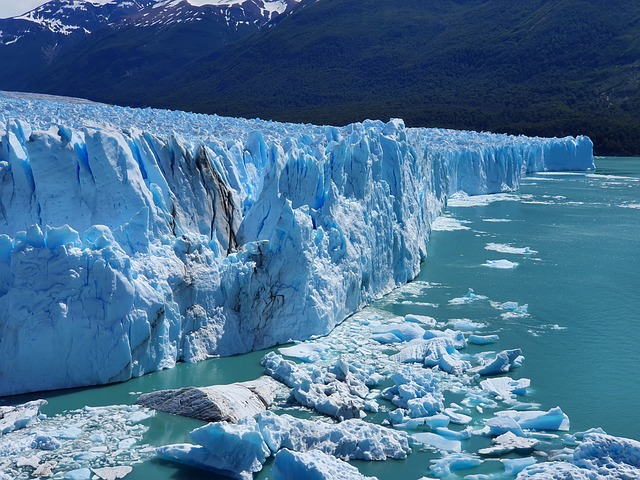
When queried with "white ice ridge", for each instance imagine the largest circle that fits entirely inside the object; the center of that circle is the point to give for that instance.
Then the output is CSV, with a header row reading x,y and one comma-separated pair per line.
x,y
132,239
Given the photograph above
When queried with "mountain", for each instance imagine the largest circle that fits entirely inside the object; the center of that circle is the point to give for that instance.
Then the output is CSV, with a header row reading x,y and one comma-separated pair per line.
x,y
124,35
543,67
540,67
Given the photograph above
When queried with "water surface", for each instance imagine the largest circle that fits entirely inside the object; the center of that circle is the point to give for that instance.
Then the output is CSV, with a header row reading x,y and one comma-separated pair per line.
x,y
574,238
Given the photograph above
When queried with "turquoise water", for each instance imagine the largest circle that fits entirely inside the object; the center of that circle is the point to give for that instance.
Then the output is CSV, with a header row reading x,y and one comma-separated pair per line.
x,y
580,338
585,279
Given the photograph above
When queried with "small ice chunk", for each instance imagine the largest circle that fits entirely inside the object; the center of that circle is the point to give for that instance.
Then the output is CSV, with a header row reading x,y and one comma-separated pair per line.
x,y
457,417
314,464
502,363
45,442
98,438
306,352
437,441
44,470
554,419
453,434
510,442
78,474
506,248
421,319
443,467
483,339
397,332
439,420
446,223
500,264
505,388
468,298
70,433
32,462
513,466
503,424
465,325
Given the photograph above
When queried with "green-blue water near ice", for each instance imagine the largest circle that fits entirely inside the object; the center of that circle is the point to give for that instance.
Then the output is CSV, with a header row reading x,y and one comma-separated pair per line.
x,y
580,339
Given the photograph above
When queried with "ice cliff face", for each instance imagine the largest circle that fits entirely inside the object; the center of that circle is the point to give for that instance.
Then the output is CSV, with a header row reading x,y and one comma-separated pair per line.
x,y
154,237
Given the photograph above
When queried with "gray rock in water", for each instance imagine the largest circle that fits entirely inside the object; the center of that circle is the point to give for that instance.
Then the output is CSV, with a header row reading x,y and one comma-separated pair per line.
x,y
216,403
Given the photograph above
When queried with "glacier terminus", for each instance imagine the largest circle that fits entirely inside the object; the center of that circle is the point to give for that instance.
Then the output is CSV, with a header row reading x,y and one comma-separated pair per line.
x,y
132,239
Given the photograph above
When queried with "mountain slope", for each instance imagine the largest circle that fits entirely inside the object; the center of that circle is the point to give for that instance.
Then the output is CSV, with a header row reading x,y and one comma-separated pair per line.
x,y
98,43
549,68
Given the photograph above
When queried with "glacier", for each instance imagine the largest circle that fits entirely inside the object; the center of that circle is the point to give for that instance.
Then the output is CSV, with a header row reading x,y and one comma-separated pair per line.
x,y
132,239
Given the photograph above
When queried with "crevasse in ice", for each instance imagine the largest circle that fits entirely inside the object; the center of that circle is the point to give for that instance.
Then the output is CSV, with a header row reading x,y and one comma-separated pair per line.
x,y
133,239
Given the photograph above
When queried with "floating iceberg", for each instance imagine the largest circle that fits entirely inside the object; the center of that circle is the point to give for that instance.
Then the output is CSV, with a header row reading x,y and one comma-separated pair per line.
x,y
443,467
314,464
483,339
554,419
232,450
468,298
500,264
239,450
501,363
149,237
505,248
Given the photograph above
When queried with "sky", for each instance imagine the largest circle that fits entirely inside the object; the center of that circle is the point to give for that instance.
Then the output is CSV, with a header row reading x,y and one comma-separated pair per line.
x,y
11,8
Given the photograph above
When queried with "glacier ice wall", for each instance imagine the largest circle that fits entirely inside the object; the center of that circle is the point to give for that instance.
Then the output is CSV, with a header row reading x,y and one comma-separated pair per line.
x,y
134,239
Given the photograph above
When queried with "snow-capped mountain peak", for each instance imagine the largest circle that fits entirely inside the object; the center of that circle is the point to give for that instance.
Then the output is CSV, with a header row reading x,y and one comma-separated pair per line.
x,y
67,17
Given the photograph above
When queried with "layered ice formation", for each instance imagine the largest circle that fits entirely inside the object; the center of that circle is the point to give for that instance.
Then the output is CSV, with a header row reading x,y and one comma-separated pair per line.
x,y
134,239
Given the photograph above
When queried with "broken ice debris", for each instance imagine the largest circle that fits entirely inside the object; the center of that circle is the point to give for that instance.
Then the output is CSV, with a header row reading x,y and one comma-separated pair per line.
x,y
239,450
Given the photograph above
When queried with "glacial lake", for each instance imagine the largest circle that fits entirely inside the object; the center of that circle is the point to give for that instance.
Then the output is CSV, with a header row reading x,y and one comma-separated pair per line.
x,y
571,244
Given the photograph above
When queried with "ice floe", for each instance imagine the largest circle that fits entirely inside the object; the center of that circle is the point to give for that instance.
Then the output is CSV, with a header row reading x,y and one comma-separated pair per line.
x,y
500,264
445,223
470,297
501,363
506,248
462,199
